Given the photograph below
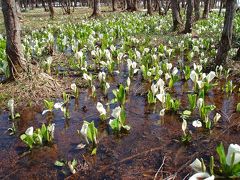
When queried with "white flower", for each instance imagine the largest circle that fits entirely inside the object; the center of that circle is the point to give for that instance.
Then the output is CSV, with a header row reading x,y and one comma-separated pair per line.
x,y
211,76
102,76
79,55
200,84
233,149
174,71
87,77
49,60
162,112
128,82
58,105
197,68
167,76
160,84
29,131
129,63
116,112
84,130
107,86
51,128
217,117
196,165
101,109
169,66
74,87
154,89
202,175
149,73
45,111
200,102
161,98
11,106
184,125
194,76
134,65
197,123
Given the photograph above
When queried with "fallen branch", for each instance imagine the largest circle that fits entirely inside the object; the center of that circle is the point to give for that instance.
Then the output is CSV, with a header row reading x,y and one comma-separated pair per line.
x,y
155,177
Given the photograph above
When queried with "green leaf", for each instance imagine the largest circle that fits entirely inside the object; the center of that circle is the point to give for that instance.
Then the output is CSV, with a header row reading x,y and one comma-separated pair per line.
x,y
221,154
59,163
94,151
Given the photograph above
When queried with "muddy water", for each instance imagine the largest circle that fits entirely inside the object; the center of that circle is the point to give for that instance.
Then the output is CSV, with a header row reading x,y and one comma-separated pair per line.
x,y
136,155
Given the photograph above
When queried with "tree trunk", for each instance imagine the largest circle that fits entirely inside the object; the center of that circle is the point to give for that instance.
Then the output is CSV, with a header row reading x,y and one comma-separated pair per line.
x,y
206,9
16,61
149,7
188,25
177,22
51,10
220,9
226,39
114,5
197,9
96,8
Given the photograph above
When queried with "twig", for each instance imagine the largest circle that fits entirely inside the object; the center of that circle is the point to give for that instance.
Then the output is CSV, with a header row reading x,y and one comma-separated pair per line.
x,y
155,177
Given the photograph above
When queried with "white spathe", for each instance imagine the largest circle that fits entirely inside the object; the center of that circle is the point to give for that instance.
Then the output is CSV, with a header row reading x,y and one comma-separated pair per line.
x,y
116,112
210,76
101,109
202,175
84,131
29,131
196,165
233,149
74,87
197,123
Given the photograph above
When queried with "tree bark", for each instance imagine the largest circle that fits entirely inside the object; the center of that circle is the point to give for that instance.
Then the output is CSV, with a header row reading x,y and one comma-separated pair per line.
x,y
96,8
226,39
188,25
177,22
206,9
149,7
114,5
15,58
197,9
51,10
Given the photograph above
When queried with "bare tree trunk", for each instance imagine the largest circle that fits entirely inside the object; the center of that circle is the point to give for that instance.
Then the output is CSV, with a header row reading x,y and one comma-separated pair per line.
x,y
188,25
177,22
16,61
220,9
206,9
96,8
51,10
144,4
114,5
149,7
197,9
226,39
44,5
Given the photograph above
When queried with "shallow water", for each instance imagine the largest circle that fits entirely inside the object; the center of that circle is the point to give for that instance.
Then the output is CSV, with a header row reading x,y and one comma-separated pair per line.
x,y
136,155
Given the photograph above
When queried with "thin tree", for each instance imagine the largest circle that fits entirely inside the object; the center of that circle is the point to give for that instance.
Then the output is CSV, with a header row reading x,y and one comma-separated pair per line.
x,y
51,10
197,9
206,9
114,5
176,17
226,39
96,8
149,7
15,58
189,19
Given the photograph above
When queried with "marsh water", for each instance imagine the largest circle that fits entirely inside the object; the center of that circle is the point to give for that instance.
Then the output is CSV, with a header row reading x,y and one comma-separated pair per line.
x,y
134,155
